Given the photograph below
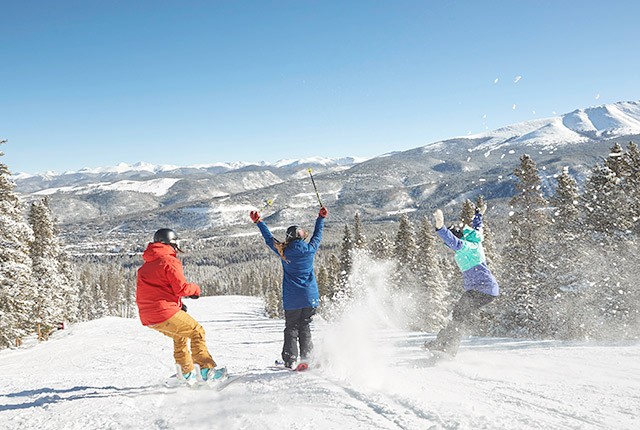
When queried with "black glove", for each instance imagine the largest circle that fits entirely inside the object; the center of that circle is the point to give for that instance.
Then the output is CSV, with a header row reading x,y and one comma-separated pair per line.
x,y
184,307
195,296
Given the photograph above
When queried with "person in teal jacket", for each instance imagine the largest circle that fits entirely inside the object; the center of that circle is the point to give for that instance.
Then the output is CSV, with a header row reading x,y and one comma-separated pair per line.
x,y
300,296
481,287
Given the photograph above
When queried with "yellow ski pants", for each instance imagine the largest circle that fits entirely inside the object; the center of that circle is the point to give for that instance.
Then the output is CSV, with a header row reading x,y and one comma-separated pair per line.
x,y
182,328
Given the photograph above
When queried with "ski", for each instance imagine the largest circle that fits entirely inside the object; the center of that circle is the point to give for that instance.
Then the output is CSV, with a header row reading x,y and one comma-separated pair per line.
x,y
300,367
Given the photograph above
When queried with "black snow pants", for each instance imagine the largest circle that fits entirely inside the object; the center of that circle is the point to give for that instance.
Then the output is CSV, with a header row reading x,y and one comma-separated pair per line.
x,y
464,312
297,328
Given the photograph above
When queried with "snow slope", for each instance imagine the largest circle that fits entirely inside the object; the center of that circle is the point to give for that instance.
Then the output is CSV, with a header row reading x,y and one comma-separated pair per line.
x,y
109,374
598,122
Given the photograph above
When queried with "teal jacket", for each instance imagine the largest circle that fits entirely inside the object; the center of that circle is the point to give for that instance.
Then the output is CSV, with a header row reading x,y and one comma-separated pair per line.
x,y
470,257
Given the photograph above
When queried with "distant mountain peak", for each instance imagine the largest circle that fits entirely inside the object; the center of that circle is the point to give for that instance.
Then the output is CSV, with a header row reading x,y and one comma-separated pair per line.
x,y
597,122
142,166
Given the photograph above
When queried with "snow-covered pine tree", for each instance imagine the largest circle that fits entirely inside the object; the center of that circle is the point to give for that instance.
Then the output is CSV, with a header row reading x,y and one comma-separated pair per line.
x,y
526,293
359,239
72,295
607,208
333,270
565,204
16,287
631,186
467,212
566,260
609,199
323,280
92,298
433,293
272,296
381,246
615,160
405,248
51,284
346,259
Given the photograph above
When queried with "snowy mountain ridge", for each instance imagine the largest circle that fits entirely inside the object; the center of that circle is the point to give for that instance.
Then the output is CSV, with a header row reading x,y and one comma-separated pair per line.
x,y
598,122
124,168
217,197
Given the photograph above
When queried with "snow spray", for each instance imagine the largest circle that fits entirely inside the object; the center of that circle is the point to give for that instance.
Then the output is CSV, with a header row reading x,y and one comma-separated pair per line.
x,y
358,343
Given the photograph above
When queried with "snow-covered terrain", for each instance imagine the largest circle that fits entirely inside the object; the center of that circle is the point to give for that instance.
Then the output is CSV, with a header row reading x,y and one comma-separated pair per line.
x,y
603,121
110,374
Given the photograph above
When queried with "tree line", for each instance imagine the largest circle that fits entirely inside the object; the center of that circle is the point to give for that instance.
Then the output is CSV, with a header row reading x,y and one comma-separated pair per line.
x,y
564,260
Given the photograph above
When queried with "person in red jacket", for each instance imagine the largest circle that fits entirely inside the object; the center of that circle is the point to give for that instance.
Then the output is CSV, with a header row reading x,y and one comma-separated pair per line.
x,y
160,287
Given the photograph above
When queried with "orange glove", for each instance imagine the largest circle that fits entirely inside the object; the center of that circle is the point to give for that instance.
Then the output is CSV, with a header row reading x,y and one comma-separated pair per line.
x,y
323,212
255,216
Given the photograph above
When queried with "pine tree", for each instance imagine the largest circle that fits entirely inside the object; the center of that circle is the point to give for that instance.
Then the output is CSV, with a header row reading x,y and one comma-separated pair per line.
x,y
467,212
527,295
405,244
565,203
359,239
615,160
333,271
382,247
566,269
71,296
16,286
323,280
606,207
434,294
346,259
51,284
631,186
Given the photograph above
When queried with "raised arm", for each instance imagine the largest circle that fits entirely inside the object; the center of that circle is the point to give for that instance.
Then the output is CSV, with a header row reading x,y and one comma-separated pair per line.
x,y
447,237
476,224
264,230
314,242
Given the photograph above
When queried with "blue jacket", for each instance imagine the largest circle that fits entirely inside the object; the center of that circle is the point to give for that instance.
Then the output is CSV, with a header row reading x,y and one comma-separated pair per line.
x,y
299,286
470,257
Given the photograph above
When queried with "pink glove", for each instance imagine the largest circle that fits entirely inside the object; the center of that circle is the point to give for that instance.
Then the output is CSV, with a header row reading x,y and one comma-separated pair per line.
x,y
323,212
255,216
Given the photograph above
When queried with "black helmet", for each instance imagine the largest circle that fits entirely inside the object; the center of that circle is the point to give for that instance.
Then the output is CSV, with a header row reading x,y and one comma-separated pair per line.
x,y
167,236
293,233
457,231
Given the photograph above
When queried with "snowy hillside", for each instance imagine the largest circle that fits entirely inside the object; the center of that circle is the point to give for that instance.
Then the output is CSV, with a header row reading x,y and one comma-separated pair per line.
x,y
215,198
110,373
599,122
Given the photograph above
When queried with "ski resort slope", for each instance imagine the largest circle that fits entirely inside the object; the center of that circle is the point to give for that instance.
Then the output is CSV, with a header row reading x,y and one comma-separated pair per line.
x,y
110,374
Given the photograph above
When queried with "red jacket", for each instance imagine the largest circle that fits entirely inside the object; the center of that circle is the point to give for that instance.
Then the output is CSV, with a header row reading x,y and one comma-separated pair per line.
x,y
161,284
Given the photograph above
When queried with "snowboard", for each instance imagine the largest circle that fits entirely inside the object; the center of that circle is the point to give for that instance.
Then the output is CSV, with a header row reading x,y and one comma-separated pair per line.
x,y
178,380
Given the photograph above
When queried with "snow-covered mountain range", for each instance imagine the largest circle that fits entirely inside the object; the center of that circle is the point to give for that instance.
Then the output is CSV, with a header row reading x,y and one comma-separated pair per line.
x,y
218,196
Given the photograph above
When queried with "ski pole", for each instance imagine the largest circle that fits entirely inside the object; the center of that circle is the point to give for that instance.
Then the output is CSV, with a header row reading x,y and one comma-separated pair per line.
x,y
267,203
315,188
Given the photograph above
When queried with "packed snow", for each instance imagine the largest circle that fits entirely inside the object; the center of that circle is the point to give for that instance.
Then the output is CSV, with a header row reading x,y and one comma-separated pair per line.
x,y
111,373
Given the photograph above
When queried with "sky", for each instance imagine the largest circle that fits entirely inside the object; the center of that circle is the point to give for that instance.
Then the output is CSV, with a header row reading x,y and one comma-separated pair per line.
x,y
93,84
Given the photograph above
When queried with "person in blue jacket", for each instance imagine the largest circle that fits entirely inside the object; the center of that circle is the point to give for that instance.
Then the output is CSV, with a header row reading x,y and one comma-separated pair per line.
x,y
299,287
481,287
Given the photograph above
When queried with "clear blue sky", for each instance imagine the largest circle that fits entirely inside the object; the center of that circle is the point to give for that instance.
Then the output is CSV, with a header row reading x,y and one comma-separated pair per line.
x,y
91,83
